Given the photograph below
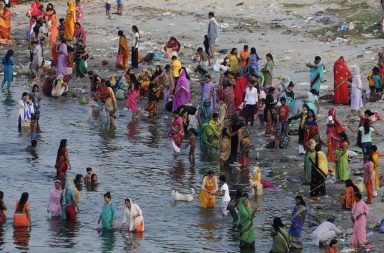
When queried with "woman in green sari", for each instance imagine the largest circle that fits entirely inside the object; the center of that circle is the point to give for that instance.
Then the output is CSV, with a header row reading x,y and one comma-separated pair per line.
x,y
342,159
280,237
267,70
247,230
81,55
211,133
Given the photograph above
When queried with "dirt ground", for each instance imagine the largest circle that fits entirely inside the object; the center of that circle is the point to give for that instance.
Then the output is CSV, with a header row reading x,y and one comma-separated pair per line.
x,y
293,31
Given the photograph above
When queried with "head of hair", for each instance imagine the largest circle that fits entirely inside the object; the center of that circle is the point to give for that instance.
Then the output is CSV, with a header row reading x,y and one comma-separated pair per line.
x,y
291,84
333,242
61,20
174,57
300,199
376,71
211,173
373,148
271,89
23,200
8,56
253,50
314,92
283,99
224,132
211,14
89,169
120,33
269,55
186,73
1,195
368,112
277,223
367,126
317,58
63,144
167,67
245,47
34,143
35,86
200,49
127,200
78,178
222,178
358,195
238,194
93,176
107,195
135,29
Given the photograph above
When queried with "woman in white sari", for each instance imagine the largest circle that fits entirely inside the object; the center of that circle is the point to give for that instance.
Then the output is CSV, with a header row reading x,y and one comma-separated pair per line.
x,y
357,86
25,111
135,215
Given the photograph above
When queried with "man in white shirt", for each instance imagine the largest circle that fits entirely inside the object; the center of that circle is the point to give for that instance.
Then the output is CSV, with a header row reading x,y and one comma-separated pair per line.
x,y
224,194
250,102
325,231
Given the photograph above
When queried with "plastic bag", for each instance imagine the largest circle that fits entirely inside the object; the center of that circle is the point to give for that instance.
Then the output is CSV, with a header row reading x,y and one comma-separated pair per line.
x,y
381,228
119,61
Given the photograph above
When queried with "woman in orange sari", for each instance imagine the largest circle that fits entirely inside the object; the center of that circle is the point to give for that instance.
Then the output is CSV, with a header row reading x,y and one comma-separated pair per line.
x,y
51,18
341,76
207,195
347,199
123,48
5,24
70,20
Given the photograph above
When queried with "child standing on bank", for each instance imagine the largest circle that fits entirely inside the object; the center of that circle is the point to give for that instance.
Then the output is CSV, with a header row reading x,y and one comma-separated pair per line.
x,y
108,5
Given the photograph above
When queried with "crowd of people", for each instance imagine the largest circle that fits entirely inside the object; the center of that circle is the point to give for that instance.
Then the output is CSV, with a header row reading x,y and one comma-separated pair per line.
x,y
223,120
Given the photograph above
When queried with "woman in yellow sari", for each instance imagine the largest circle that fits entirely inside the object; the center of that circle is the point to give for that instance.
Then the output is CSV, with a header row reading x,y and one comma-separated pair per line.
x,y
123,48
207,195
5,24
70,20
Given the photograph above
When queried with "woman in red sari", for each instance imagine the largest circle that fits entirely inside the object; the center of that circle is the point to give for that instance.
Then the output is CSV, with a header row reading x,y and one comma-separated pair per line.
x,y
177,132
334,129
341,77
62,160
5,24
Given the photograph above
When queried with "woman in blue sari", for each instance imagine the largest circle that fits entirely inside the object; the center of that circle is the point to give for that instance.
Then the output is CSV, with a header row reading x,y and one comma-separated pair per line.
x,y
298,218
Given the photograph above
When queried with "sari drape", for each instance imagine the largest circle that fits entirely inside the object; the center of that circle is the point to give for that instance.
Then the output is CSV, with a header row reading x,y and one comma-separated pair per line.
x,y
5,26
54,28
70,20
342,164
177,133
319,172
208,94
182,91
206,200
348,198
359,214
280,241
239,91
210,135
225,149
247,230
124,50
341,76
298,218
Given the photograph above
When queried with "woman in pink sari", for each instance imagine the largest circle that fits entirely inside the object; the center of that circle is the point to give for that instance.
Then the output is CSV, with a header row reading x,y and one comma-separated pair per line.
x,y
79,11
182,92
133,92
359,221
36,10
54,204
177,132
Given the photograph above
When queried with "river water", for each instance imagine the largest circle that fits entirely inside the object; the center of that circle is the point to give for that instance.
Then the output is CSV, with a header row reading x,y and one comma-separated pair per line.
x,y
133,159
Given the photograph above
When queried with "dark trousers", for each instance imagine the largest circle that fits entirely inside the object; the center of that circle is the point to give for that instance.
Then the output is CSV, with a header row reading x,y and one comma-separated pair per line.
x,y
135,57
249,114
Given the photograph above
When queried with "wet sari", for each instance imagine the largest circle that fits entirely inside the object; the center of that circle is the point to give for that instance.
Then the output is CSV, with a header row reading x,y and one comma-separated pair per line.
x,y
208,94
225,150
247,230
297,222
229,101
319,171
280,241
5,26
239,91
62,164
206,200
69,195
70,20
210,135
177,133
107,216
311,130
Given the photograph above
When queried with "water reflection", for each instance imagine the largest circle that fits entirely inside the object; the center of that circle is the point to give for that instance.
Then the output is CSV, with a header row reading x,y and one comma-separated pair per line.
x,y
21,237
132,130
69,232
2,235
132,240
9,102
177,172
108,240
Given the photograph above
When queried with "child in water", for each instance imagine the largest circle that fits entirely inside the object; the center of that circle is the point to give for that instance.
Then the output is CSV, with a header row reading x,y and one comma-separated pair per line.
x,y
32,147
333,247
33,126
192,144
88,176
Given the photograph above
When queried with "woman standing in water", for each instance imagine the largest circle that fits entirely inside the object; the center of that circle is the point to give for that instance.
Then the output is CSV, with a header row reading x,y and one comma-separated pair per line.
x,y
70,199
36,98
22,216
133,92
247,230
25,111
280,237
207,195
108,213
299,214
62,160
54,204
177,132
135,215
8,63
3,208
